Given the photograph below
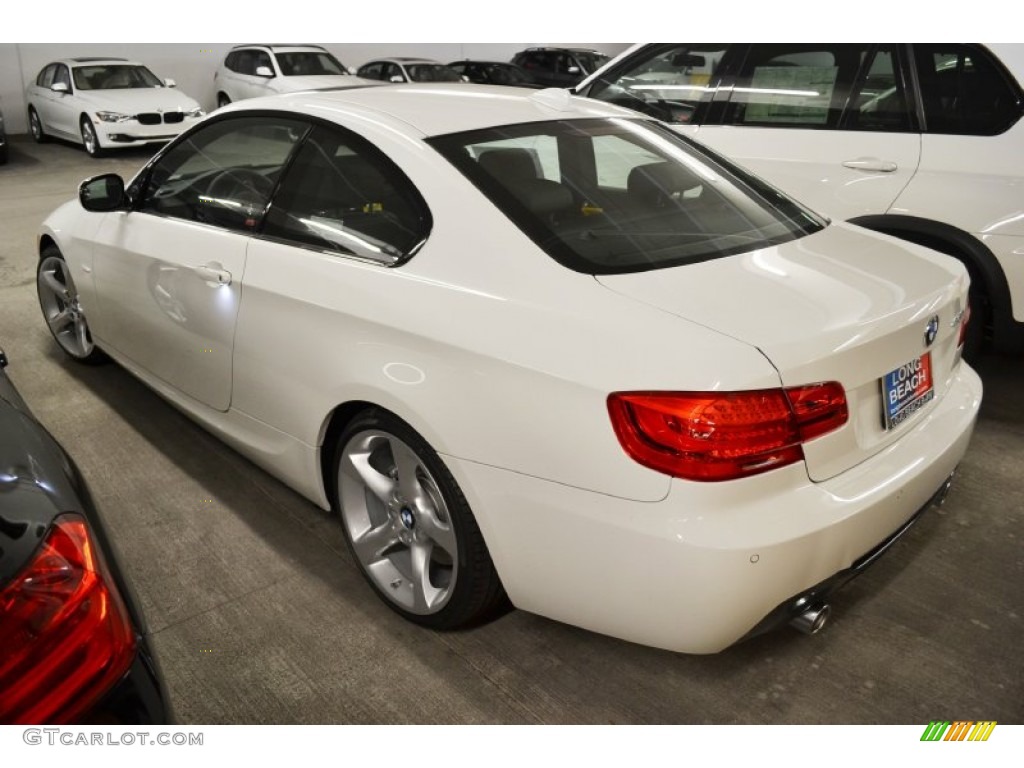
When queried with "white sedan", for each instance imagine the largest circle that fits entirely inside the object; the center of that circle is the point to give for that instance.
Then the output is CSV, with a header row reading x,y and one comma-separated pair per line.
x,y
105,103
532,346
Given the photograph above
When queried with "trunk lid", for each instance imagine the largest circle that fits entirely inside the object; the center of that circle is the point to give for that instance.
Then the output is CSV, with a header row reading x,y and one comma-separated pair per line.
x,y
841,305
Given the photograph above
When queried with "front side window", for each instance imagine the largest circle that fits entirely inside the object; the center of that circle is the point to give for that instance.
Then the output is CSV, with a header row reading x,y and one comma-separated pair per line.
x,y
372,71
964,91
114,77
342,195
669,81
305,63
262,59
878,101
627,196
223,173
45,79
61,76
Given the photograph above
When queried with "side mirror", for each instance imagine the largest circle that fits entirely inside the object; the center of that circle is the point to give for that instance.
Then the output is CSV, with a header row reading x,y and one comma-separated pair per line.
x,y
465,78
60,87
350,70
573,70
102,193
397,79
170,83
264,72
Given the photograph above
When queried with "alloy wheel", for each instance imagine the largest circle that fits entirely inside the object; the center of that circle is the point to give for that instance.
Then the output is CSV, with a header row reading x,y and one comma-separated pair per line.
x,y
62,310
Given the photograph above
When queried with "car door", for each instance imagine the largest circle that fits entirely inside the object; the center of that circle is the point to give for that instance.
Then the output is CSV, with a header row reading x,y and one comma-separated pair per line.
x,y
63,110
168,273
831,124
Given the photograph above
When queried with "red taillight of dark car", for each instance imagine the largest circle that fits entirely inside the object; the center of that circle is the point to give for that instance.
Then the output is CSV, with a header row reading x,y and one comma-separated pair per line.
x,y
65,635
712,436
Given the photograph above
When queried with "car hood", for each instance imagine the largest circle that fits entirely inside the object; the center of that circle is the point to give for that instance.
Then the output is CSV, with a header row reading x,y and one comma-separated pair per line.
x,y
134,100
314,82
840,305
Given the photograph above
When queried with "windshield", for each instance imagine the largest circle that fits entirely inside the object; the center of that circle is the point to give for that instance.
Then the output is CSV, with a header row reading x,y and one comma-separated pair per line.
x,y
114,76
607,196
309,63
507,74
432,73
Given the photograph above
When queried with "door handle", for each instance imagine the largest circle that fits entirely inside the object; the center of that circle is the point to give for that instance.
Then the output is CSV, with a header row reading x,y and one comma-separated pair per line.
x,y
213,273
871,164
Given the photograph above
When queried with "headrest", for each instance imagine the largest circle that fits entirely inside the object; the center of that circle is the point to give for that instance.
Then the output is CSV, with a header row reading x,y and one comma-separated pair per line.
x,y
658,182
509,164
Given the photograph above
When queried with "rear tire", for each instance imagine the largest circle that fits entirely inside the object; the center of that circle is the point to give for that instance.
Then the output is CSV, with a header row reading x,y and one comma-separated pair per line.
x,y
409,527
35,126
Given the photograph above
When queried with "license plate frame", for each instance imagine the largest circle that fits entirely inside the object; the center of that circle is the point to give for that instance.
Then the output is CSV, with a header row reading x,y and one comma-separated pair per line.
x,y
906,390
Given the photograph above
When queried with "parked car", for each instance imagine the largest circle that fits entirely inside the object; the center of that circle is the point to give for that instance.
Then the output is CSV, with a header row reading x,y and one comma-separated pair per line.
x,y
409,70
106,103
73,644
923,142
251,71
535,345
559,67
493,73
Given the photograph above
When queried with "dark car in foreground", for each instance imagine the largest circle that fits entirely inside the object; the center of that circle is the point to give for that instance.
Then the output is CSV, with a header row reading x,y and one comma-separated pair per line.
x,y
73,646
559,67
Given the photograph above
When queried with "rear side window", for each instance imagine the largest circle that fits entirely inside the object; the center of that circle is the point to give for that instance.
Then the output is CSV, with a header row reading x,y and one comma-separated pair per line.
x,y
342,195
624,195
964,91
669,81
810,86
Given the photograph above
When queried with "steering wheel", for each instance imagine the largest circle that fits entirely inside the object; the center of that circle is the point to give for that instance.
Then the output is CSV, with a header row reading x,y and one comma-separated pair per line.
x,y
242,185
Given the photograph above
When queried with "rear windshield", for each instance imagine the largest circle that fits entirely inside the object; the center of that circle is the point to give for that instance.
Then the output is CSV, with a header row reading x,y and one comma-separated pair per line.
x,y
608,196
432,73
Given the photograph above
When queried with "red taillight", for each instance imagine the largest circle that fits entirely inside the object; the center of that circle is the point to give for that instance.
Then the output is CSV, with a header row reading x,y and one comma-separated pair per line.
x,y
65,635
724,435
964,320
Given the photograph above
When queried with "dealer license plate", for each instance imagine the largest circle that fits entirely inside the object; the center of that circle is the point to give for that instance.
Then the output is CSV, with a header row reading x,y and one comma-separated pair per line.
x,y
906,390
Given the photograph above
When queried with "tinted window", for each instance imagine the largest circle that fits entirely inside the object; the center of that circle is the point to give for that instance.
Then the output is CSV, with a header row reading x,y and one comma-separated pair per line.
x,y
878,101
45,79
246,62
432,73
796,86
630,195
667,81
223,173
306,63
371,71
262,59
343,195
964,91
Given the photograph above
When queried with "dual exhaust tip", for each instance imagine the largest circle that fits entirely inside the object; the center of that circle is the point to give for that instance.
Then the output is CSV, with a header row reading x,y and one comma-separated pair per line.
x,y
812,619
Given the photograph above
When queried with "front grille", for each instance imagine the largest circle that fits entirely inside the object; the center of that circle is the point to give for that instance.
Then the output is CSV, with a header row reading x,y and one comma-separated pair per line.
x,y
173,117
148,118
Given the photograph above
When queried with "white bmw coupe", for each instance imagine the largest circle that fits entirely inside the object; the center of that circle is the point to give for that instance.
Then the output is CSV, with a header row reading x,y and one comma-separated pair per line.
x,y
105,103
531,346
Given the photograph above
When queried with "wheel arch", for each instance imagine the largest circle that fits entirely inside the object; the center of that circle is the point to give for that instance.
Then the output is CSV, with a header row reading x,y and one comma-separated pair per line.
x,y
986,273
45,241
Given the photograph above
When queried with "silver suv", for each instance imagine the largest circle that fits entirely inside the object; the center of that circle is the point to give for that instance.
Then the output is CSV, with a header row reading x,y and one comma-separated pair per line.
x,y
920,141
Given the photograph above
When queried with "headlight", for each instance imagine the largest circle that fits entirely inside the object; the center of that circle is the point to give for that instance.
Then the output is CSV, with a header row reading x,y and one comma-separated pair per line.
x,y
113,117
197,112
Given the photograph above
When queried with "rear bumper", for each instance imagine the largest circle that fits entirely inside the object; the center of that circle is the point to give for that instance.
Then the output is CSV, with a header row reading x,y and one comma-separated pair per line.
x,y
702,568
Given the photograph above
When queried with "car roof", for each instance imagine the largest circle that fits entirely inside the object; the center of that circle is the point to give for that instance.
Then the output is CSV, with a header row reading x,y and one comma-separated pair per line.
x,y
433,109
404,60
94,60
485,61
281,46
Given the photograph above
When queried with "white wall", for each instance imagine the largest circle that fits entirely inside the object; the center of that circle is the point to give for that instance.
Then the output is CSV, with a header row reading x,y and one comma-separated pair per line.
x,y
192,65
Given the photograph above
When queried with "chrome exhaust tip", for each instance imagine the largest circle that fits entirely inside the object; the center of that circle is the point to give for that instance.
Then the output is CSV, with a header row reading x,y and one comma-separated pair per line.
x,y
813,619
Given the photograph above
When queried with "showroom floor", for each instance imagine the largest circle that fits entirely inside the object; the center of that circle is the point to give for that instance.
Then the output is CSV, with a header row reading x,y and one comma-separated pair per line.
x,y
260,616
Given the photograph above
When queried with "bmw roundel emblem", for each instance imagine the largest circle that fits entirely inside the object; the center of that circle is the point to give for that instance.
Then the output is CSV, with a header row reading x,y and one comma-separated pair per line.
x,y
931,331
408,519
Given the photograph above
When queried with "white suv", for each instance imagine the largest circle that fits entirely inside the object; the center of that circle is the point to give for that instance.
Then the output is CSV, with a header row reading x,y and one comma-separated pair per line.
x,y
920,141
250,71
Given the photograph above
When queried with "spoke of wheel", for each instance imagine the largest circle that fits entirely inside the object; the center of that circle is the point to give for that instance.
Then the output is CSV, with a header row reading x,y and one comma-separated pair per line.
x,y
424,593
370,545
380,485
56,286
59,321
440,534
406,464
82,335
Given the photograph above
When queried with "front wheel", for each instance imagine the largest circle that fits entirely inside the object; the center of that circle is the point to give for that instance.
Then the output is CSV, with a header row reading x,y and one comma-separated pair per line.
x,y
90,140
35,126
409,526
62,308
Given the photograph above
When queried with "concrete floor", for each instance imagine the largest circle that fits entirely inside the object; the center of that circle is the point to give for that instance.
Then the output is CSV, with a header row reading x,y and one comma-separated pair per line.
x,y
260,616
